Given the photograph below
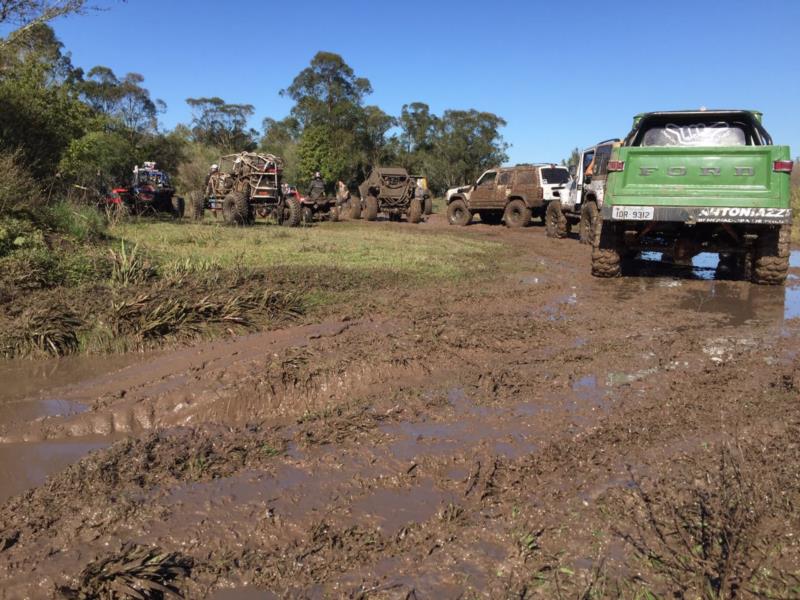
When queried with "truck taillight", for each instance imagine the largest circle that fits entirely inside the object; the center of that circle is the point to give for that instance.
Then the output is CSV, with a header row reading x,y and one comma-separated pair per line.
x,y
616,166
782,166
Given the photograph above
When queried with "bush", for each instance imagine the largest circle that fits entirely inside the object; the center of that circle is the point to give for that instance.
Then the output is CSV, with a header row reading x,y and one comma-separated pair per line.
x,y
19,191
192,172
81,223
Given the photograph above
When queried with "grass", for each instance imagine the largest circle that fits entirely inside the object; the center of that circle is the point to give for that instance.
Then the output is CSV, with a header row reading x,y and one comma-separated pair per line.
x,y
404,250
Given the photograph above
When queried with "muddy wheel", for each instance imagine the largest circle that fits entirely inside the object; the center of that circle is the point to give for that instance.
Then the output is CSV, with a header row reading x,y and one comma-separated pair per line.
x,y
606,257
355,208
555,223
334,214
372,209
307,215
293,212
415,211
458,213
198,206
771,261
517,214
589,214
428,205
236,209
491,218
178,207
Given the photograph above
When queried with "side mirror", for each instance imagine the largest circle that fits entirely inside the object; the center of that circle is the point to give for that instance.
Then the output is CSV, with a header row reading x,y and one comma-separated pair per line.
x,y
587,179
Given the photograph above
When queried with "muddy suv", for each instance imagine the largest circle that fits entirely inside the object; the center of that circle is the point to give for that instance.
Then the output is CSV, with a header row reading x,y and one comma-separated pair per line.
x,y
151,192
388,190
510,194
248,183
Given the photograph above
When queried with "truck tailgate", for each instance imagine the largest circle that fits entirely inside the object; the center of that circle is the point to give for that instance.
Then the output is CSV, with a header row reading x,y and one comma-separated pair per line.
x,y
703,176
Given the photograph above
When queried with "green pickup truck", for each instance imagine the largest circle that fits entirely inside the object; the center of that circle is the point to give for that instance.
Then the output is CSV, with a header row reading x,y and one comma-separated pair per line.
x,y
688,182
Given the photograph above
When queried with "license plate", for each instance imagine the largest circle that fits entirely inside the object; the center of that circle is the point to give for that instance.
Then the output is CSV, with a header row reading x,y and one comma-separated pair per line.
x,y
633,213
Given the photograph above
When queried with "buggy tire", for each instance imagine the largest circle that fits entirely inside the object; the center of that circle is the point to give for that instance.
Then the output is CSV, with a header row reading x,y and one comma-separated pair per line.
x,y
555,222
458,213
355,208
371,209
606,255
415,210
491,217
771,260
589,214
178,207
293,212
198,206
428,205
236,209
517,214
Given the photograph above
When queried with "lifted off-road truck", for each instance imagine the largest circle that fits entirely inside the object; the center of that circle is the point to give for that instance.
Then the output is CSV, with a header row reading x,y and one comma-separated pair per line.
x,y
581,197
508,194
245,184
688,182
388,190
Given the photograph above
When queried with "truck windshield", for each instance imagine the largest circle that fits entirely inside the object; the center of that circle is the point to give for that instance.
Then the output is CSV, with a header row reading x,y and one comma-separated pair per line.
x,y
696,134
552,175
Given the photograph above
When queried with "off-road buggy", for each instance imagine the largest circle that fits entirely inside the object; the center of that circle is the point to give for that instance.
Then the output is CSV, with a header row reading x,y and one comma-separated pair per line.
x,y
245,185
388,190
150,193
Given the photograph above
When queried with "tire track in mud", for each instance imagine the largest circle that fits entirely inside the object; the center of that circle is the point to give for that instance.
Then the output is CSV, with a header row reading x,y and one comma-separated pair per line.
x,y
474,447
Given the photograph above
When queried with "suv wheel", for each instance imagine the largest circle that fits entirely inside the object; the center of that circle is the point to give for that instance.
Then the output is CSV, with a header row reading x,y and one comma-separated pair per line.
x,y
372,208
517,214
588,223
606,256
458,213
555,223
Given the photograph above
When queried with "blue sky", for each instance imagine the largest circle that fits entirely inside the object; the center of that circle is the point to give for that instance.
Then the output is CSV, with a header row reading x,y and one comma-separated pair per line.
x,y
562,74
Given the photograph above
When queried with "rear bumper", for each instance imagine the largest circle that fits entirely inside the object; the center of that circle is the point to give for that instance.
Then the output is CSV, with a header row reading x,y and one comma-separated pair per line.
x,y
713,214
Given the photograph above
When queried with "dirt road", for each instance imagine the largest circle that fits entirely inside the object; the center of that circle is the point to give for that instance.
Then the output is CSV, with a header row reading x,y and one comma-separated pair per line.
x,y
538,434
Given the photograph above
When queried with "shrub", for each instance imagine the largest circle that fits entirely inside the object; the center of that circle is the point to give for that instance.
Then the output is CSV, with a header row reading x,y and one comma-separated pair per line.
x,y
19,191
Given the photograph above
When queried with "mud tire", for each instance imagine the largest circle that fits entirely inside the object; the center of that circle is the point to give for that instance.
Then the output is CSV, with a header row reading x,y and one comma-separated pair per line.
x,y
555,222
415,211
458,213
307,215
771,261
334,214
178,207
198,206
371,213
428,206
589,215
517,214
294,213
236,209
355,208
606,255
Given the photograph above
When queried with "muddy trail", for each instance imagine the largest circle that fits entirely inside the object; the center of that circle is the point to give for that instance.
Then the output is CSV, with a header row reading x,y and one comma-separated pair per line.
x,y
537,434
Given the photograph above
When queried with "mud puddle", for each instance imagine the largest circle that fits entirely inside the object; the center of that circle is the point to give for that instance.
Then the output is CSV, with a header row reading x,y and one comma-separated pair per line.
x,y
26,378
27,465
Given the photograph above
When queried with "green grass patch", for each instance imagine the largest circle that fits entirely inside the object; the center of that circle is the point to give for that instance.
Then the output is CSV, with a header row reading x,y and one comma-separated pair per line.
x,y
406,251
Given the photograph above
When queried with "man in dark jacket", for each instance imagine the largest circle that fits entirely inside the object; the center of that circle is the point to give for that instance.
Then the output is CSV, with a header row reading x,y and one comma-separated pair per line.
x,y
317,190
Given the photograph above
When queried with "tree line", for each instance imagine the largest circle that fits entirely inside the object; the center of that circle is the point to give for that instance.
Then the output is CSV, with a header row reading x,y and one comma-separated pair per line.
x,y
73,128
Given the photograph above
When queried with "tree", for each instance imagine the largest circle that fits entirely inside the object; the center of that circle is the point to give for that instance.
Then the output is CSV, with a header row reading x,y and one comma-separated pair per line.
x,y
26,14
573,160
124,100
466,143
373,126
327,92
418,127
317,151
218,123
